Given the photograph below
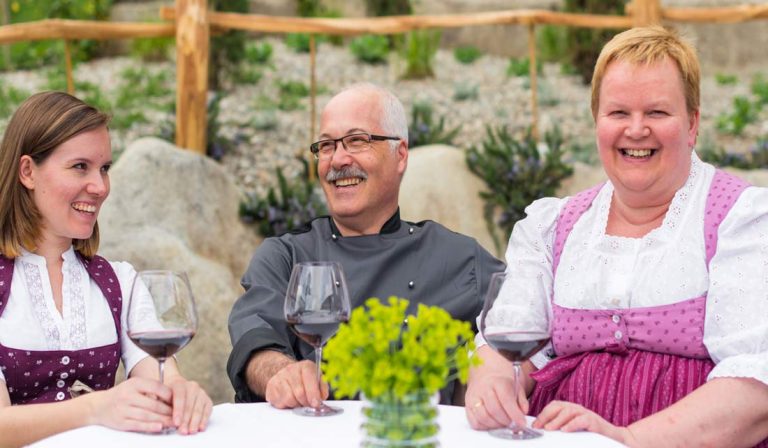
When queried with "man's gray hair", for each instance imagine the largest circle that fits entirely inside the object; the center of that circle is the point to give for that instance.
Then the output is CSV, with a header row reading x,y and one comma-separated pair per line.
x,y
393,119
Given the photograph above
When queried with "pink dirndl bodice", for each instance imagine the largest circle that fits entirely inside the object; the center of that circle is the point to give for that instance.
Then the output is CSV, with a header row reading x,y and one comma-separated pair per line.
x,y
626,364
40,376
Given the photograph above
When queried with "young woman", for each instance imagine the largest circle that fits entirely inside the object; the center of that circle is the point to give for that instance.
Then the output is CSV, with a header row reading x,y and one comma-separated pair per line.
x,y
62,317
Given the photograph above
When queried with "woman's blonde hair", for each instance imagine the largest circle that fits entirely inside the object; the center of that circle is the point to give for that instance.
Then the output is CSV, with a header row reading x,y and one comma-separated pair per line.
x,y
40,124
649,45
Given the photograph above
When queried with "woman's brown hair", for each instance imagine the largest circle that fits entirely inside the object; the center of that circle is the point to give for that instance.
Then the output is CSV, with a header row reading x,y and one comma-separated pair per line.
x,y
40,124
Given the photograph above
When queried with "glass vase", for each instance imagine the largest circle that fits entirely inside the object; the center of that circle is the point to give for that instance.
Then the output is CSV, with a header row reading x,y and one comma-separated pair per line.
x,y
410,421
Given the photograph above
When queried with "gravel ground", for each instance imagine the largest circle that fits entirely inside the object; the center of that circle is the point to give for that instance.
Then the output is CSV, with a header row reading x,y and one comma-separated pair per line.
x,y
267,137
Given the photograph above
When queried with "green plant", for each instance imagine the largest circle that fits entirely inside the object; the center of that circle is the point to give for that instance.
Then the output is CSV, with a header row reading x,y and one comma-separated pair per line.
x,y
152,48
516,174
258,52
521,67
726,80
465,91
467,55
141,88
371,48
292,204
308,8
584,44
10,98
227,50
744,113
759,88
247,75
381,351
298,42
419,52
551,43
126,119
291,93
380,8
424,131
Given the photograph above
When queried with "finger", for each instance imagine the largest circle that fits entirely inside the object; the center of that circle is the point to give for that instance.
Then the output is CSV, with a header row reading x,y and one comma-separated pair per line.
x,y
487,409
179,403
189,413
549,412
279,393
511,407
565,415
583,422
142,426
150,404
325,391
206,414
198,413
297,386
311,386
472,411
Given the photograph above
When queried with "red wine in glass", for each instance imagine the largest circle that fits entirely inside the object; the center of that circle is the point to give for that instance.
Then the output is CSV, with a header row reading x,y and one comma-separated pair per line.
x,y
161,344
315,328
517,346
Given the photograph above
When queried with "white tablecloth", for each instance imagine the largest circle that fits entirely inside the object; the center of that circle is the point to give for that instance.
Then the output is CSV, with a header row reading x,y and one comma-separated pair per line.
x,y
262,426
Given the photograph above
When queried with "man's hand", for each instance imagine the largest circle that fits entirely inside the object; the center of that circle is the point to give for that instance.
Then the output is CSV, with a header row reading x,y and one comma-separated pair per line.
x,y
296,385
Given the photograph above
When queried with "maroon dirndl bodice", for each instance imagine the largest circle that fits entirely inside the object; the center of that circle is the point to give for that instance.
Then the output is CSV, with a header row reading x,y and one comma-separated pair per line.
x,y
626,364
40,376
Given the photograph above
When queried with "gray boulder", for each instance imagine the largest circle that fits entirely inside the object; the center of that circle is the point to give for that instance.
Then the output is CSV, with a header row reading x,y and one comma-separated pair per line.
x,y
173,209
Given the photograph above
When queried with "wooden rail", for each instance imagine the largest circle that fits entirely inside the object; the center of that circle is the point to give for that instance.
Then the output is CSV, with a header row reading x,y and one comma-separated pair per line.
x,y
193,26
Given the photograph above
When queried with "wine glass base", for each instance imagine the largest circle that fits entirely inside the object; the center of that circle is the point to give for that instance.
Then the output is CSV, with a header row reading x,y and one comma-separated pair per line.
x,y
322,411
514,434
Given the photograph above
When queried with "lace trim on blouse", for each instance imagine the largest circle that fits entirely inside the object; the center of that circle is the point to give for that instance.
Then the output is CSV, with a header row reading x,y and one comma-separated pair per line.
x,y
37,295
621,244
77,329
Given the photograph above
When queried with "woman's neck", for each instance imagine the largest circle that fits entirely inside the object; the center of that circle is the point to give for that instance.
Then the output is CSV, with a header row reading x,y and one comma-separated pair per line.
x,y
635,221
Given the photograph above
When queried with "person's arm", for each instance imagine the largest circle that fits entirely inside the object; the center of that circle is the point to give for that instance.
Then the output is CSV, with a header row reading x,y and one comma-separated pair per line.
x,y
128,407
263,364
490,401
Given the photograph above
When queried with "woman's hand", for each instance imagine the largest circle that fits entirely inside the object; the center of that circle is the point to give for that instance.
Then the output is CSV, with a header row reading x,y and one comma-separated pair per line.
x,y
570,417
137,404
191,405
490,402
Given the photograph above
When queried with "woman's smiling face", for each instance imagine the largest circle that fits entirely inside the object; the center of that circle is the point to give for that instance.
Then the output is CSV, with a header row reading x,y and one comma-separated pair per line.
x,y
645,133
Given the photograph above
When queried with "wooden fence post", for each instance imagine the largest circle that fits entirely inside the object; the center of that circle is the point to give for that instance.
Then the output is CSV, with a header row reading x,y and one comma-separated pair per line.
x,y
192,48
68,68
646,12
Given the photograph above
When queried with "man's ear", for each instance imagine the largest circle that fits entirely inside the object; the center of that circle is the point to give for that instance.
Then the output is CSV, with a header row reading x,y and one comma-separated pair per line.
x,y
27,172
402,156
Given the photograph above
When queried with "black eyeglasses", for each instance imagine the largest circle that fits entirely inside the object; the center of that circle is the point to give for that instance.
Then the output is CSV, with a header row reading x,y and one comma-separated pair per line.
x,y
353,143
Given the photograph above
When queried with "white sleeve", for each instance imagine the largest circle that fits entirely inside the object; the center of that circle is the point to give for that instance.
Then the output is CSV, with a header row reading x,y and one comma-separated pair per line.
x,y
132,354
529,256
736,324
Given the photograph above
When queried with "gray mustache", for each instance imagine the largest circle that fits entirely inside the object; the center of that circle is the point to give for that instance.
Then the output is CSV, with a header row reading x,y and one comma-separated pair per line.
x,y
348,171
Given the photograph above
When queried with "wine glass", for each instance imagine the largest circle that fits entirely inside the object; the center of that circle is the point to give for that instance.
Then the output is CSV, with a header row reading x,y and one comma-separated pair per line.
x,y
515,322
316,302
161,315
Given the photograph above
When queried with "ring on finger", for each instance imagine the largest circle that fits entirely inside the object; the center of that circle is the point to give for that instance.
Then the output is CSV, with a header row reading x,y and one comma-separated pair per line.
x,y
477,404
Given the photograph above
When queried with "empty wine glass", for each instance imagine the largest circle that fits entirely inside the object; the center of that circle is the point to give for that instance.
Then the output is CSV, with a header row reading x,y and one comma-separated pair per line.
x,y
515,322
316,302
161,315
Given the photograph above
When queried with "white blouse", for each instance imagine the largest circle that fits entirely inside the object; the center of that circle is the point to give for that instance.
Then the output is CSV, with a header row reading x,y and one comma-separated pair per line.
x,y
31,321
599,271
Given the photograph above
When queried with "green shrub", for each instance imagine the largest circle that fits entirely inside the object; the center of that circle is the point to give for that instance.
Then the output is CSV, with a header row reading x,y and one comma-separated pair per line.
x,y
744,113
284,209
725,80
516,174
10,98
467,55
551,43
419,52
759,89
298,42
126,119
521,67
380,8
247,75
371,48
465,91
152,48
584,44
140,88
258,52
424,131
227,50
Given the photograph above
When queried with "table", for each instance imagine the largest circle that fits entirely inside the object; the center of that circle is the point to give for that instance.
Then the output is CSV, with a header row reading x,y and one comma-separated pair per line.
x,y
262,426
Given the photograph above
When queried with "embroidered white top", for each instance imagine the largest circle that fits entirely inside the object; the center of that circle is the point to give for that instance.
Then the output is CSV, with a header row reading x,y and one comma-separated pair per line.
x,y
599,271
85,320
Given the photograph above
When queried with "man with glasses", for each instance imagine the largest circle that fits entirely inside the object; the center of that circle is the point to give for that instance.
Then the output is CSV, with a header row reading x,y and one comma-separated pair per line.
x,y
362,154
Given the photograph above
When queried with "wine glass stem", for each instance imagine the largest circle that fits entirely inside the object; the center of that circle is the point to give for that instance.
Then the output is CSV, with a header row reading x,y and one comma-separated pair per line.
x,y
318,359
516,365
161,367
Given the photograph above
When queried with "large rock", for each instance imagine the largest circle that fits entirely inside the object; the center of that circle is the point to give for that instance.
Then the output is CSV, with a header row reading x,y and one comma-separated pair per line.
x,y
173,209
439,186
